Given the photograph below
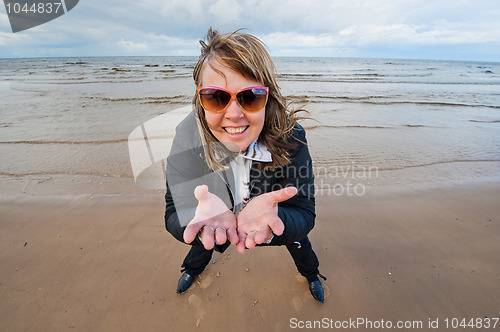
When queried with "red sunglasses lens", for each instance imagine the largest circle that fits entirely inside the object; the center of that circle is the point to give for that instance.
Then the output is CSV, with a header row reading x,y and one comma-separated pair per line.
x,y
214,100
252,100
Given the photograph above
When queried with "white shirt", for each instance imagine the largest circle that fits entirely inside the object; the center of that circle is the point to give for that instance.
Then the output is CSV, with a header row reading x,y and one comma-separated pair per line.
x,y
241,166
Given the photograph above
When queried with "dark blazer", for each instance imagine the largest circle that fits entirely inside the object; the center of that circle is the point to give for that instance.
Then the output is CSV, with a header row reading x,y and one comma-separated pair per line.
x,y
186,169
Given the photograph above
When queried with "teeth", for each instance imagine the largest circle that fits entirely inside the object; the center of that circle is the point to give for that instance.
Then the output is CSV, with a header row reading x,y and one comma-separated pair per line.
x,y
235,131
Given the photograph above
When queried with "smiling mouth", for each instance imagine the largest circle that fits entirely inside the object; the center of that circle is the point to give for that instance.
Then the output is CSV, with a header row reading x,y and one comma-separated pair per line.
x,y
235,130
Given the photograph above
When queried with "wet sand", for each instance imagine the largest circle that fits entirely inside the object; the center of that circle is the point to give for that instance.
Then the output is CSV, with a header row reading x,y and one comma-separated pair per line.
x,y
106,263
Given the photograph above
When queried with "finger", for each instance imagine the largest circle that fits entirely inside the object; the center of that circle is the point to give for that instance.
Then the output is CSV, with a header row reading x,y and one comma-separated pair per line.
x,y
262,235
250,241
191,230
241,244
232,234
283,194
220,235
200,192
207,238
277,226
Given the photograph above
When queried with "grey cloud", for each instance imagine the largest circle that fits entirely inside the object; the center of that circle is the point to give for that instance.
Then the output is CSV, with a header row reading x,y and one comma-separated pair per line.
x,y
321,27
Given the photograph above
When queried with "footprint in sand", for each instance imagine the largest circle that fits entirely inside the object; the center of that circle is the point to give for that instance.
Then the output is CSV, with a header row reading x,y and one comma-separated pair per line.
x,y
206,281
326,289
195,302
300,278
297,303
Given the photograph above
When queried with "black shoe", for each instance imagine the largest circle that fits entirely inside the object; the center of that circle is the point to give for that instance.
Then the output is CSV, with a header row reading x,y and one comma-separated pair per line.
x,y
317,290
184,282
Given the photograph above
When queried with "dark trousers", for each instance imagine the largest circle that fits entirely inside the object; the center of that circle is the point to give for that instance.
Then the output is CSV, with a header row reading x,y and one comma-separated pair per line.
x,y
302,253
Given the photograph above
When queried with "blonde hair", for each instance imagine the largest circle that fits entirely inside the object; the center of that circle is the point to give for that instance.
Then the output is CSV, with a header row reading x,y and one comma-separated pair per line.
x,y
247,55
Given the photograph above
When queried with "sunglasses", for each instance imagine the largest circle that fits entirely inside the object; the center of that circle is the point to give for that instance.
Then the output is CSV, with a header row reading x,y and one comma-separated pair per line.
x,y
250,100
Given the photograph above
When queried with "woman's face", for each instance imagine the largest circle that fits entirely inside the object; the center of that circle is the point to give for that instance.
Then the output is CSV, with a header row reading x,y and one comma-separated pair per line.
x,y
233,126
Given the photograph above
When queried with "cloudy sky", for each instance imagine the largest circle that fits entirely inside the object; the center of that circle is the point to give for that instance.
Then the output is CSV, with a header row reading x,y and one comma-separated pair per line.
x,y
412,29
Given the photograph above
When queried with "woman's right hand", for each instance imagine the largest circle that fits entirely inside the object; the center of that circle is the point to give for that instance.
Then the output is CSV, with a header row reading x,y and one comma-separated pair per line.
x,y
259,219
212,217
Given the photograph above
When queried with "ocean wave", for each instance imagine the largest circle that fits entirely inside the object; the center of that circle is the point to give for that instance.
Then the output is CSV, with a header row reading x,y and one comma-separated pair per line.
x,y
76,63
179,99
376,100
346,126
112,141
342,98
169,77
368,127
389,79
339,80
429,103
439,163
80,173
116,69
301,75
411,75
105,80
134,73
485,121
65,142
374,74
354,98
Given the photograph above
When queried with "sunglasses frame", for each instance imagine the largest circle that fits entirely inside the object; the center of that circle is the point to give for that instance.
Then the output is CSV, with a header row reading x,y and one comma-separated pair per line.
x,y
233,97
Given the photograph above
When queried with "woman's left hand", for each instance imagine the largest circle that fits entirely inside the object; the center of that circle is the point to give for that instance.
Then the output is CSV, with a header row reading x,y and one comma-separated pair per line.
x,y
259,220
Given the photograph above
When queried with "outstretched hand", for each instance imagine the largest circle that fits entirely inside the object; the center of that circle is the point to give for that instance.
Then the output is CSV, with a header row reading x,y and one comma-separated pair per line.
x,y
259,220
212,217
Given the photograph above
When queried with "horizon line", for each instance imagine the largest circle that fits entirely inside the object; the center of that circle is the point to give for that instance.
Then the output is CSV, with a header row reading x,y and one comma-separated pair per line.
x,y
275,56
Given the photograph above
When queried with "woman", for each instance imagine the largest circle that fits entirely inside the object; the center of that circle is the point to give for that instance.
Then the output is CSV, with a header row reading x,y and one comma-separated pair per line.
x,y
239,170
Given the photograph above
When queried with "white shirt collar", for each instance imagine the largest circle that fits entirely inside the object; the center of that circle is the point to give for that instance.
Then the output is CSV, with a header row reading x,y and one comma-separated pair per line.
x,y
258,152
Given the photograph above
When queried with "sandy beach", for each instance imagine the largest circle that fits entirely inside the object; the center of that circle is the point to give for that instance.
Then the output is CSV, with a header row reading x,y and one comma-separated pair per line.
x,y
105,263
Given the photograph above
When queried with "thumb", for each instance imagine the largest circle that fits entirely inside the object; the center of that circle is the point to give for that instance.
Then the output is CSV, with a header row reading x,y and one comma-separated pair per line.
x,y
283,194
200,192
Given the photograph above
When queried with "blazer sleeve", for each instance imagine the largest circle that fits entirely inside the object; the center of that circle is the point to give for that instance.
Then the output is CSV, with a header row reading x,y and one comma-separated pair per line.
x,y
186,169
298,213
186,206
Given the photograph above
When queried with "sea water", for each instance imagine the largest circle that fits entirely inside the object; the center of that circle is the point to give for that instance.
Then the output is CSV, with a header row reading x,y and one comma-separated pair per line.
x,y
376,121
